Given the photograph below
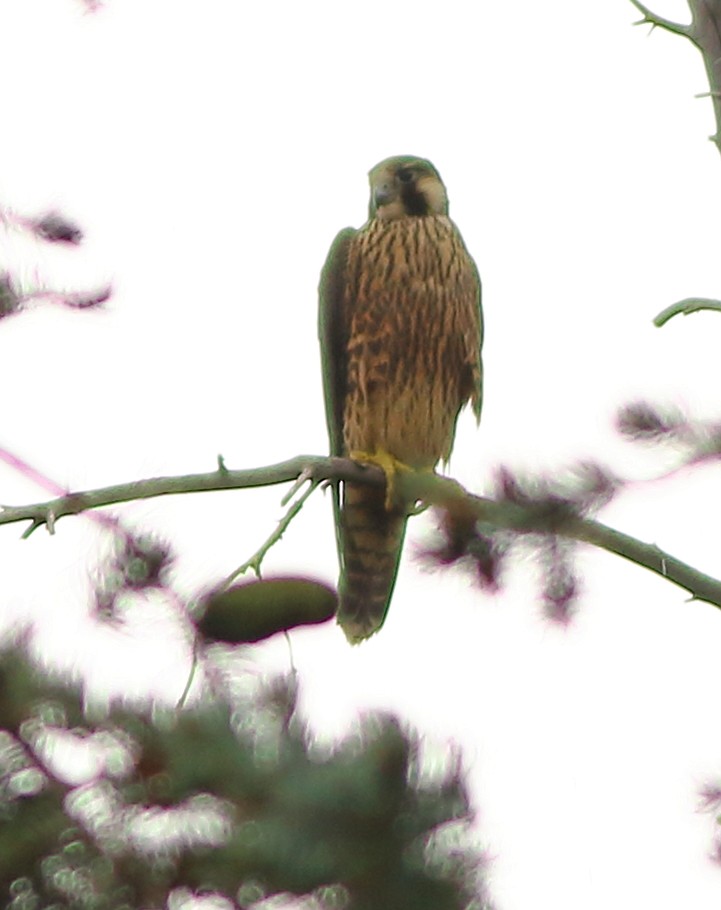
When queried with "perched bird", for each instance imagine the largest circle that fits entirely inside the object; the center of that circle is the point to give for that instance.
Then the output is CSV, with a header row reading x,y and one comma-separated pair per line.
x,y
400,329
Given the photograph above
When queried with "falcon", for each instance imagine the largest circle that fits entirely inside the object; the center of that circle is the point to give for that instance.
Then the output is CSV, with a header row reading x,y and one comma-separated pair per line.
x,y
400,328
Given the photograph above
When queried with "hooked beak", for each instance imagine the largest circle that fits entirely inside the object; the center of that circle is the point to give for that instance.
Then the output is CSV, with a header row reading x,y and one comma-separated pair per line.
x,y
382,194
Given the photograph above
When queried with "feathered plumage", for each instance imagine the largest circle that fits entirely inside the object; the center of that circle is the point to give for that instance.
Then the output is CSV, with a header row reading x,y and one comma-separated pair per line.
x,y
401,330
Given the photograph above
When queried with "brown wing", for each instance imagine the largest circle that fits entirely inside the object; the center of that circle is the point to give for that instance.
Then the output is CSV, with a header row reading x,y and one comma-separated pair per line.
x,y
368,538
333,337
477,373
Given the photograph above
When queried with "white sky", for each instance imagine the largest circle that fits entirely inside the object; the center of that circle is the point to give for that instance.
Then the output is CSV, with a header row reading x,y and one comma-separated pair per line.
x,y
211,151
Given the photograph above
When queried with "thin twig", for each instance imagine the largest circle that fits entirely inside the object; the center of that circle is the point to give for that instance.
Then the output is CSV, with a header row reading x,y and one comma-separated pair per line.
x,y
302,479
189,682
685,307
257,558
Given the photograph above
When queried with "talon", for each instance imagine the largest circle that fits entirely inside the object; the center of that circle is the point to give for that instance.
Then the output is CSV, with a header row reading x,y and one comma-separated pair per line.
x,y
390,467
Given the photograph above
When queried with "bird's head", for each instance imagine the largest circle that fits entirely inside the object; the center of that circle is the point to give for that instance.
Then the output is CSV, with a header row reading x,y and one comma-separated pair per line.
x,y
406,186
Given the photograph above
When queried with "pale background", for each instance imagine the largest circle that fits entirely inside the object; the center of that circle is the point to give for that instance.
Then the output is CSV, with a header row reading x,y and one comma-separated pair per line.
x,y
211,151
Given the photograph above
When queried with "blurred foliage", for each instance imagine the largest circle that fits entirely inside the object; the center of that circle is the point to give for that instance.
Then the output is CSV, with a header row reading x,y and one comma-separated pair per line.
x,y
48,228
230,798
9,300
138,562
550,503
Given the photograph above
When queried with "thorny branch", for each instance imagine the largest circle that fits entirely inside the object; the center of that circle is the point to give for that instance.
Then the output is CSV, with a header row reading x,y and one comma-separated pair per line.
x,y
704,32
317,468
657,21
430,489
255,561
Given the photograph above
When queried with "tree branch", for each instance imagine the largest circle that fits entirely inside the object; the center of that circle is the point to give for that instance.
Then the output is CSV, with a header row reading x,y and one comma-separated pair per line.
x,y
431,489
686,306
654,20
316,467
705,32
450,495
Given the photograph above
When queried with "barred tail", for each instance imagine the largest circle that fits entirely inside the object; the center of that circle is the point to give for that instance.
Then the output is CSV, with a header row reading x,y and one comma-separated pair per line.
x,y
372,543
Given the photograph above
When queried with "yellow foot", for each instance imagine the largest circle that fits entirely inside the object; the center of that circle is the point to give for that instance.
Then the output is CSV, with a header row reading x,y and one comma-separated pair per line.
x,y
390,467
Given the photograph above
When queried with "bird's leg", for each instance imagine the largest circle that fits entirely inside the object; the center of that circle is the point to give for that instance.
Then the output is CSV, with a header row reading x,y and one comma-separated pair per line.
x,y
390,467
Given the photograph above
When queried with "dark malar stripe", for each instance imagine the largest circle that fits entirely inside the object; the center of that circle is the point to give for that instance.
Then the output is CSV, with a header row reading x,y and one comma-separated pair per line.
x,y
414,203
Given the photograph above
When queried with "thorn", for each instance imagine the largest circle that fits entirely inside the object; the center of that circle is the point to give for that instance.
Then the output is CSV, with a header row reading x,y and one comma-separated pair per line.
x,y
656,21
221,465
36,523
50,522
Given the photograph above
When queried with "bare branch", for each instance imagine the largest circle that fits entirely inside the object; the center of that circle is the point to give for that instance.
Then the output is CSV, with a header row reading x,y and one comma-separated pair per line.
x,y
657,21
698,584
431,489
686,306
317,467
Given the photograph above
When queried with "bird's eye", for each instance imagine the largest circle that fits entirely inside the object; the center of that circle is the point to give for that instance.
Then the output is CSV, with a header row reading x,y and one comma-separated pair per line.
x,y
405,175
